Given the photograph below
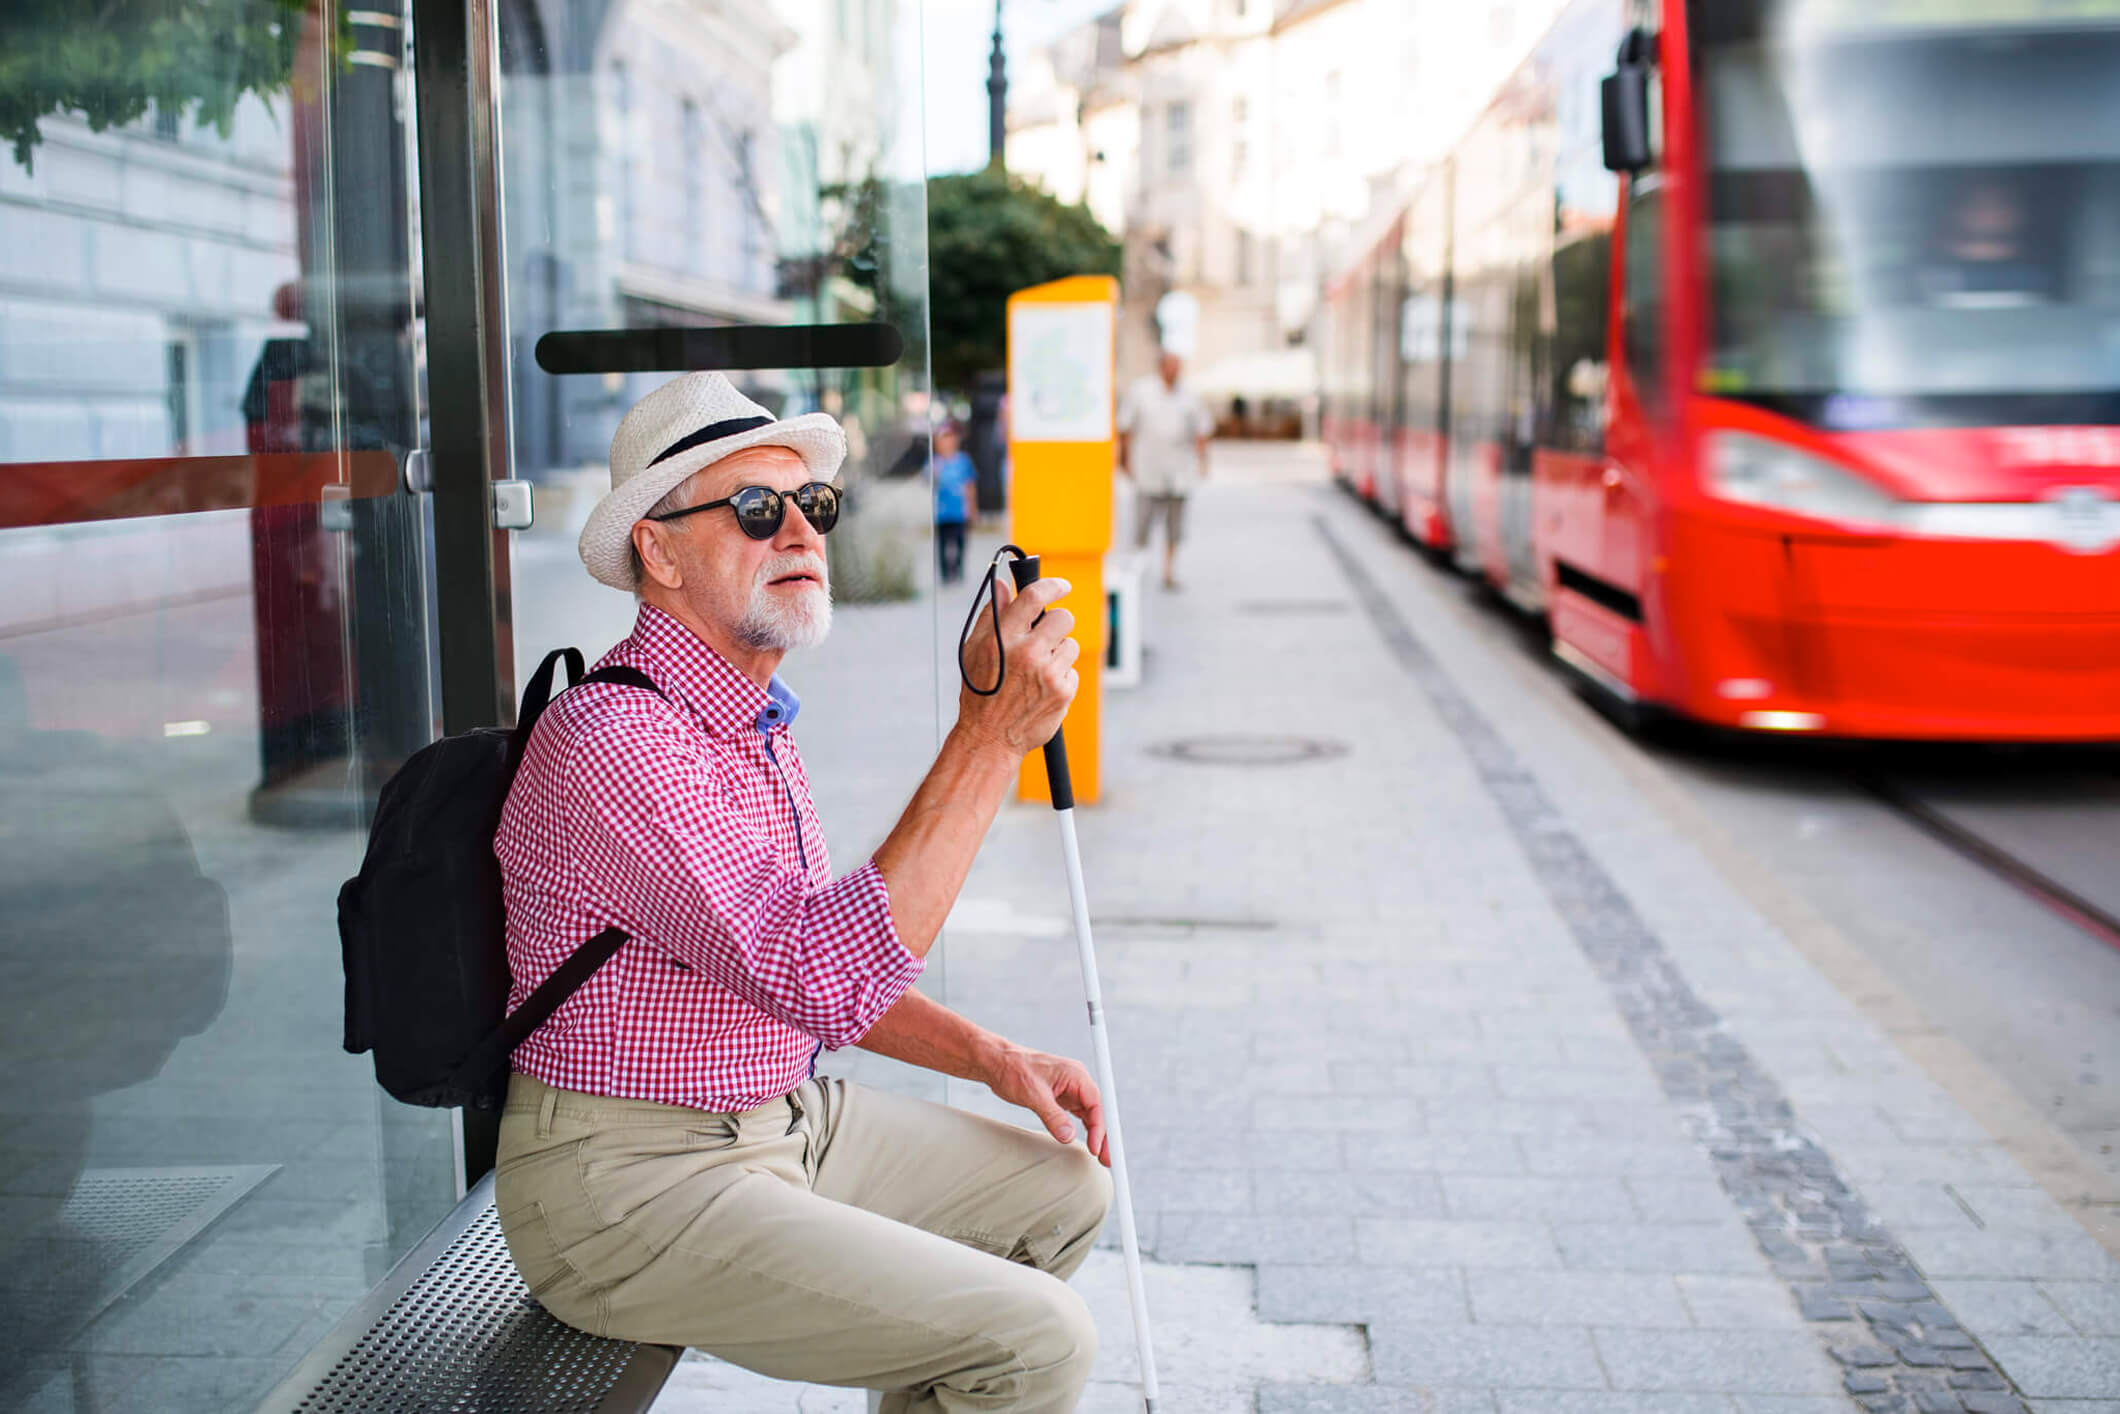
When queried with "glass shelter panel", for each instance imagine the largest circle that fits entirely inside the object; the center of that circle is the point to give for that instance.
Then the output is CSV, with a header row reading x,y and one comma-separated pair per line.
x,y
214,644
740,167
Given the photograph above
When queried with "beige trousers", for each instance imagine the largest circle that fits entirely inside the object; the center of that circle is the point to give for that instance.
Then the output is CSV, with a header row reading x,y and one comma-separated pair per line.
x,y
1148,509
841,1236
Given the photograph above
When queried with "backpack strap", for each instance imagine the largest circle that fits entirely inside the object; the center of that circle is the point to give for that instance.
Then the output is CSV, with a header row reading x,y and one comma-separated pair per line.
x,y
622,675
536,695
491,1054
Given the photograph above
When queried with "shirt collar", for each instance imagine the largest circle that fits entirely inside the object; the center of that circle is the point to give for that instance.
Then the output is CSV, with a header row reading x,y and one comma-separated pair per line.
x,y
780,710
723,697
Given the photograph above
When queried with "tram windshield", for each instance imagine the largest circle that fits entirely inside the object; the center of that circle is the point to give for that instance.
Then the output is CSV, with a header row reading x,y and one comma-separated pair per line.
x,y
1913,209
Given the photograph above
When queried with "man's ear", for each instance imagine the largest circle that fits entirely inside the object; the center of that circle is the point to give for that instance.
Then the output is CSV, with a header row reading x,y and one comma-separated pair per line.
x,y
656,561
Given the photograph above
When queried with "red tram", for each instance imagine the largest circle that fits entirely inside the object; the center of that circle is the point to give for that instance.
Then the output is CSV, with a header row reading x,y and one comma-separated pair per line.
x,y
1777,363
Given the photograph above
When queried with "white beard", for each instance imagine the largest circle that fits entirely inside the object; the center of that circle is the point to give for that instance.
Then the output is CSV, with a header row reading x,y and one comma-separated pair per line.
x,y
783,622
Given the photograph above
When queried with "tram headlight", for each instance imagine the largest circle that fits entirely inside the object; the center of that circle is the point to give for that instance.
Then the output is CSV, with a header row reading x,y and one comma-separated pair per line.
x,y
1759,471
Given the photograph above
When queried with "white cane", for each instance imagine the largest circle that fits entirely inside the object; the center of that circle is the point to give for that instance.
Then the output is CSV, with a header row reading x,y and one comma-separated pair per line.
x,y
1024,569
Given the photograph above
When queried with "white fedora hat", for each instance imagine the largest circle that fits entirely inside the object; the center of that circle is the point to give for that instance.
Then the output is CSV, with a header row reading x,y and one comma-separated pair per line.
x,y
687,424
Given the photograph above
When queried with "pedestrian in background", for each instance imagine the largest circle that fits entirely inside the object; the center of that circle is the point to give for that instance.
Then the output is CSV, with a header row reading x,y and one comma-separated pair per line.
x,y
1163,432
956,500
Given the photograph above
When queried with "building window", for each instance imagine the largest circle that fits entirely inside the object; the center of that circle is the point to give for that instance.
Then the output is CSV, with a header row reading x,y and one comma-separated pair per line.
x,y
694,240
178,393
166,120
626,173
1177,139
1244,258
753,231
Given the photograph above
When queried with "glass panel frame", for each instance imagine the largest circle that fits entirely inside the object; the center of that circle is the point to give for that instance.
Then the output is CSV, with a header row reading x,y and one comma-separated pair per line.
x,y
216,641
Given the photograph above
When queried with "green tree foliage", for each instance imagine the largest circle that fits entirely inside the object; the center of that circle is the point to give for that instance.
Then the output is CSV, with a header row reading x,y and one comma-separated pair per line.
x,y
990,235
112,60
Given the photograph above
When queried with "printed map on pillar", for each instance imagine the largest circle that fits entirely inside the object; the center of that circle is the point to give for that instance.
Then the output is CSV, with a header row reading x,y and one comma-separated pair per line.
x,y
1063,450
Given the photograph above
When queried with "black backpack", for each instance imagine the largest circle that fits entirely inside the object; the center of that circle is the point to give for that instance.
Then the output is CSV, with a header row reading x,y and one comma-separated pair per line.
x,y
421,926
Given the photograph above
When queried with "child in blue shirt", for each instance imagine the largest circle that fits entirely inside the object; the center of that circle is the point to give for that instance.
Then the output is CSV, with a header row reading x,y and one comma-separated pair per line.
x,y
956,501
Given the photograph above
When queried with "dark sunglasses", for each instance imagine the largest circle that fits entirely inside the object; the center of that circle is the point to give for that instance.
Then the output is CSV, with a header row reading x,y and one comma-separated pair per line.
x,y
760,509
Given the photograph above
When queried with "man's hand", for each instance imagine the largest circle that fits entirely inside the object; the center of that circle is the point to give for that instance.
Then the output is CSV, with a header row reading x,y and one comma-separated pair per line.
x,y
1041,680
1051,1087
922,1031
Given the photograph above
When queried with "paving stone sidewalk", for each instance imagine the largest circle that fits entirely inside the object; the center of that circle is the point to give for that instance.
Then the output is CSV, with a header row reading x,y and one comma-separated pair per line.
x,y
1454,1075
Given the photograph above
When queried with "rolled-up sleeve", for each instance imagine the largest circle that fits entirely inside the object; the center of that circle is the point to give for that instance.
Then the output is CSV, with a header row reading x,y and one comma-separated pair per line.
x,y
684,870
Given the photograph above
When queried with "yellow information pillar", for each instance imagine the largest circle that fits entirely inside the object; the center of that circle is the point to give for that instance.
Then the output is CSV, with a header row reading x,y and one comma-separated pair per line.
x,y
1062,443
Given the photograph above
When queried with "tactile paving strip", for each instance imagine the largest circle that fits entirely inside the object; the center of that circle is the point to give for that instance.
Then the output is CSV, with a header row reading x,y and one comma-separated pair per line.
x,y
1908,1351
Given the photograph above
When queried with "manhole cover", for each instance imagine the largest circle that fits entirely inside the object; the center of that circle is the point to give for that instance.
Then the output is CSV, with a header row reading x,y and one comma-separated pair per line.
x,y
1248,750
1293,606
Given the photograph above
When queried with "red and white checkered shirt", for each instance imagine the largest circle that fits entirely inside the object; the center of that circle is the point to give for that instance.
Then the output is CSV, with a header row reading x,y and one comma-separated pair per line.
x,y
688,822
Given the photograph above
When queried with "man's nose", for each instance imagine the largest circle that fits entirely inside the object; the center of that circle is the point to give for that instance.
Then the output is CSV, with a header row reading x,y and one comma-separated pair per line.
x,y
796,533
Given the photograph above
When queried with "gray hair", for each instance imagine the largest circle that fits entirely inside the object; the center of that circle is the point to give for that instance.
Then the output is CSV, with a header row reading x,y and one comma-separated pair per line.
x,y
674,500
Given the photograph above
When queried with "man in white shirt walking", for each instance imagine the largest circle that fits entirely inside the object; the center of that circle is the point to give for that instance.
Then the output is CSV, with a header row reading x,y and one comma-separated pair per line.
x,y
1163,432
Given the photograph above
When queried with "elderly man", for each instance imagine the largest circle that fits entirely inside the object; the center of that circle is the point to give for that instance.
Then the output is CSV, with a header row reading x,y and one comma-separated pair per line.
x,y
671,1168
1163,433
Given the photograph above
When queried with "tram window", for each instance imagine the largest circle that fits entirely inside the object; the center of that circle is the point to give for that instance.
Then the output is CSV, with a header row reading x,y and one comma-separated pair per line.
x,y
1581,283
1642,319
1529,349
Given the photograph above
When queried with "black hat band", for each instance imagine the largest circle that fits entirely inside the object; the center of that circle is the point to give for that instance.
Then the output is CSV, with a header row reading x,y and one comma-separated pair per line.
x,y
712,433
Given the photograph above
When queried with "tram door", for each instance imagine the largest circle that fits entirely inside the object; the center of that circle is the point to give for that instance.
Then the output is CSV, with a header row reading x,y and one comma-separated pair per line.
x,y
736,187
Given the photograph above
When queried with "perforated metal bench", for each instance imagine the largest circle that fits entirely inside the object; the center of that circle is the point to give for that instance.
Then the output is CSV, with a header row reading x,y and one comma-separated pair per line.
x,y
453,1328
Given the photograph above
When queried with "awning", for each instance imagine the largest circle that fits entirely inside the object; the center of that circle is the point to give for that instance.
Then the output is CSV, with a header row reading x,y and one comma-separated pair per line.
x,y
1270,373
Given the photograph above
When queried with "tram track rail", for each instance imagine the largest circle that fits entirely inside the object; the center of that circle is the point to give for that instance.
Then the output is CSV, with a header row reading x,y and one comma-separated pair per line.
x,y
2004,864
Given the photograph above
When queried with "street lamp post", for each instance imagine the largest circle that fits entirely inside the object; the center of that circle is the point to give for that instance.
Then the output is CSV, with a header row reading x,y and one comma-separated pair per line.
x,y
996,98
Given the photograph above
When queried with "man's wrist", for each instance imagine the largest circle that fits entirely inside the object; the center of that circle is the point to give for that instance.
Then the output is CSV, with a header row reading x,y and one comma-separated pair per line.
x,y
989,1055
982,746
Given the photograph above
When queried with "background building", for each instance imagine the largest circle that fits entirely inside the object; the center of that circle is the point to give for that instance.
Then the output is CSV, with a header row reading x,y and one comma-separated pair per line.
x,y
139,284
645,178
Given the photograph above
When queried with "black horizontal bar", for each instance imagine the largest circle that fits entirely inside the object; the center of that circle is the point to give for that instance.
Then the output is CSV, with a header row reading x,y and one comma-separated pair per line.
x,y
681,349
